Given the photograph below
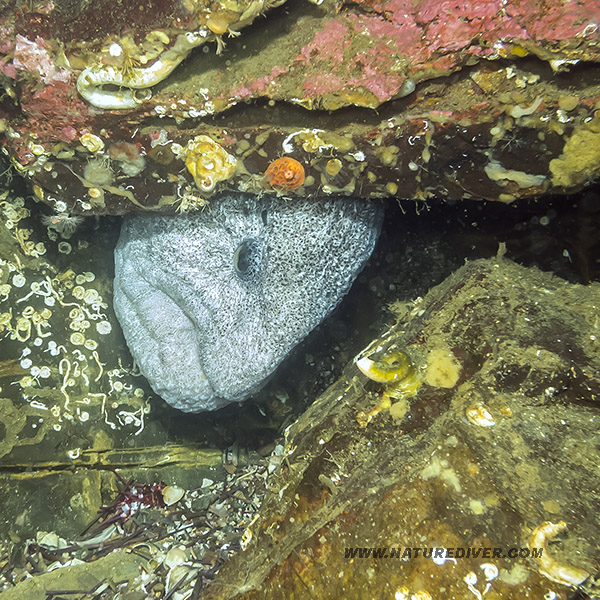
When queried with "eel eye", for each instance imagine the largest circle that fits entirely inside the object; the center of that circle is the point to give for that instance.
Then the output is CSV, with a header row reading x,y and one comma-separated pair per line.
x,y
241,259
246,259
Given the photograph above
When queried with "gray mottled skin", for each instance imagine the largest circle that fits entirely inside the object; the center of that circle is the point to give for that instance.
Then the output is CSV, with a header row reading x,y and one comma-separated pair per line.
x,y
210,303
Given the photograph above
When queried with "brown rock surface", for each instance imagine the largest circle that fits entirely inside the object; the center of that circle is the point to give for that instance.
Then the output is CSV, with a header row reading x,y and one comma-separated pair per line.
x,y
501,436
394,98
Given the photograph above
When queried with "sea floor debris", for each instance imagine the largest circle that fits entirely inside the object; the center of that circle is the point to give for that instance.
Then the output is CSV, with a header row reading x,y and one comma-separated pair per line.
x,y
180,546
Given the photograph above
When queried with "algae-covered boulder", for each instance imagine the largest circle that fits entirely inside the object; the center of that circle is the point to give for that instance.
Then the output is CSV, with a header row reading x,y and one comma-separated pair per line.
x,y
493,450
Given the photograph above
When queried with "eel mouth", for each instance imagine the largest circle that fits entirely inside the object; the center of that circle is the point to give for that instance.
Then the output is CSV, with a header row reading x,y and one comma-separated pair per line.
x,y
184,366
164,337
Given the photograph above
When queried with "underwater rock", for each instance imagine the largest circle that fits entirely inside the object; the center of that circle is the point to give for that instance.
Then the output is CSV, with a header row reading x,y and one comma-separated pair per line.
x,y
120,566
210,303
507,406
472,99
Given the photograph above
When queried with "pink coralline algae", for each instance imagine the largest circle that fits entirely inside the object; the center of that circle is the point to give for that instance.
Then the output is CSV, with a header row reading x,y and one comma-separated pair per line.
x,y
329,43
367,68
402,38
34,57
320,84
380,84
258,85
8,69
339,54
55,113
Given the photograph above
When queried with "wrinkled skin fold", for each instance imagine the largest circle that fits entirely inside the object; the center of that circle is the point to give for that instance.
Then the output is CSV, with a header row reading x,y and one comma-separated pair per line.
x,y
210,303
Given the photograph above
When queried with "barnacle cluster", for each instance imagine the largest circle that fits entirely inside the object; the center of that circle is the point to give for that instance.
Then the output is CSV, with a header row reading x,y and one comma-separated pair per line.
x,y
99,175
52,325
207,161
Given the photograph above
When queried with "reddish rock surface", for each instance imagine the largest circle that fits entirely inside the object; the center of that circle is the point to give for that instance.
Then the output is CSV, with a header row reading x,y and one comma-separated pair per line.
x,y
400,98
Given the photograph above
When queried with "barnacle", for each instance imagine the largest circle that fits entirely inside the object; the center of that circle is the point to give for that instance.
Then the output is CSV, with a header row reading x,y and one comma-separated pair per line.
x,y
208,162
219,21
285,174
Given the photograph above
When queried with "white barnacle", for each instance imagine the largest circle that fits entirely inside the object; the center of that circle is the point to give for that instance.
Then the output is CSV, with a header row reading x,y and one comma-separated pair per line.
x,y
64,247
90,296
78,291
19,280
90,344
115,50
77,339
103,327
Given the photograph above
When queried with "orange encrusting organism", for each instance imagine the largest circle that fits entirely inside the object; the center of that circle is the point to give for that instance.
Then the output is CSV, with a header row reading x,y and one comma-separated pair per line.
x,y
285,173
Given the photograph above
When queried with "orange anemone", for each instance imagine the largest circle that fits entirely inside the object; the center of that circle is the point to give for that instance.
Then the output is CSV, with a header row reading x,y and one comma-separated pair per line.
x,y
285,173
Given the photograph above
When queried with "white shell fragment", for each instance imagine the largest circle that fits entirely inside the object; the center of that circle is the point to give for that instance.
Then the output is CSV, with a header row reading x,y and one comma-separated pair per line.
x,y
172,494
103,327
480,415
175,556
490,571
